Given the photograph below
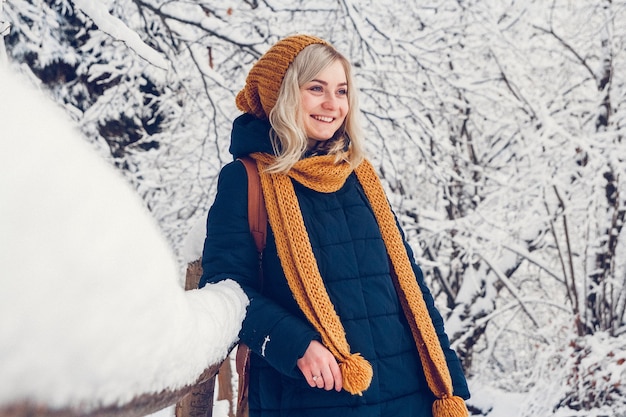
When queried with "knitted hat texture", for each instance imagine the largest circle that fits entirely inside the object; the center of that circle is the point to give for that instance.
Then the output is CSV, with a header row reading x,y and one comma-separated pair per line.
x,y
259,95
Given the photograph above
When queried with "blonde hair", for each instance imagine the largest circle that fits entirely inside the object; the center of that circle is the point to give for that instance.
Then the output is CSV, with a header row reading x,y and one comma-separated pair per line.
x,y
288,135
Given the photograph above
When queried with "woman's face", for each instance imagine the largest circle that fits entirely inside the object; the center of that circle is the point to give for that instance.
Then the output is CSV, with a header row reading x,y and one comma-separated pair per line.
x,y
324,103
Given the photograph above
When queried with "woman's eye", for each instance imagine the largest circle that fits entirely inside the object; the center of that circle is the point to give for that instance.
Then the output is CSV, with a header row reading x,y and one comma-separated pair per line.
x,y
342,92
316,88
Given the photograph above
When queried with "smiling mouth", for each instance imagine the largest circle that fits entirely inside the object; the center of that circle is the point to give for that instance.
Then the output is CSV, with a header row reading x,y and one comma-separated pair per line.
x,y
324,119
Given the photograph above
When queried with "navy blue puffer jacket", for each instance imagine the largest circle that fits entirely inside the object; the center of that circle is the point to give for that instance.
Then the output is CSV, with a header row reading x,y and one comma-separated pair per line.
x,y
352,260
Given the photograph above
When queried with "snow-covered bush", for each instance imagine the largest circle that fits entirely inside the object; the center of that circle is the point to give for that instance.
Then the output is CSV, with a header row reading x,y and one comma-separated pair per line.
x,y
586,378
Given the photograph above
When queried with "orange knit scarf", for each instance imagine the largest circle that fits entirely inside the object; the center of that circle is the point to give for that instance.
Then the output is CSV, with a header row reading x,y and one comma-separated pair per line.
x,y
321,174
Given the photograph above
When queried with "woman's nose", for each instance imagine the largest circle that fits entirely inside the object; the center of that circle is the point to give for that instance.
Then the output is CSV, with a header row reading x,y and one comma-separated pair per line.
x,y
330,102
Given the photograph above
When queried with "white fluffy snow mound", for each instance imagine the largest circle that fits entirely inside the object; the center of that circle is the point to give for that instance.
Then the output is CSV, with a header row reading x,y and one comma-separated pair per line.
x,y
91,309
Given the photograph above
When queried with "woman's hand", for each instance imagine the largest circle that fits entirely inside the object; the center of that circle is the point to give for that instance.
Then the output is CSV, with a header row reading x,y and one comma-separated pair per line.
x,y
320,368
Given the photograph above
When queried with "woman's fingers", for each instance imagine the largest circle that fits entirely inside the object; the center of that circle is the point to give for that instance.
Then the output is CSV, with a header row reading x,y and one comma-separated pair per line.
x,y
337,377
320,368
328,379
319,380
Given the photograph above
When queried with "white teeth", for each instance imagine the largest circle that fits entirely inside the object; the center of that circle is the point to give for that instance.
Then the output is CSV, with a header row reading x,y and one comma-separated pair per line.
x,y
323,119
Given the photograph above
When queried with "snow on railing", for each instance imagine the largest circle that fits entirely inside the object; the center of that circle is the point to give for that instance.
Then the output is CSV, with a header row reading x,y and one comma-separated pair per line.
x,y
93,318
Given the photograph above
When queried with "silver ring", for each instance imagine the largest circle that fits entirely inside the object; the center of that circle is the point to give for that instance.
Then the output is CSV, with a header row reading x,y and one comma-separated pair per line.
x,y
315,377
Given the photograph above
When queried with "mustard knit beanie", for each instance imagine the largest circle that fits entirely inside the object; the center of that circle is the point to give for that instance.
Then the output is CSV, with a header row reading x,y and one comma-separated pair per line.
x,y
259,95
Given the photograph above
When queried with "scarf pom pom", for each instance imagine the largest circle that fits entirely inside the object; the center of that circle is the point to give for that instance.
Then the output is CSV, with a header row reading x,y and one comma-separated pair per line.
x,y
357,374
450,406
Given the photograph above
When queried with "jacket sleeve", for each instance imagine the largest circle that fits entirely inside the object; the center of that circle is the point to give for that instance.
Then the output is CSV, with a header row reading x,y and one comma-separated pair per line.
x,y
230,253
459,383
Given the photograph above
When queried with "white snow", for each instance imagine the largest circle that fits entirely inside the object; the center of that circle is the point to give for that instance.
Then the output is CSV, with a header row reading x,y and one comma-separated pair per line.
x,y
112,25
91,309
192,246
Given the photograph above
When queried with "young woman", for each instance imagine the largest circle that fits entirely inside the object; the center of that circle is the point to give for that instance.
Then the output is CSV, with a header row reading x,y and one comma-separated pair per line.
x,y
342,324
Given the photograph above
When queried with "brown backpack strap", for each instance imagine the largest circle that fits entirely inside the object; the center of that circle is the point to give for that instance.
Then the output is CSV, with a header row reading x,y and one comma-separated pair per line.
x,y
257,214
257,217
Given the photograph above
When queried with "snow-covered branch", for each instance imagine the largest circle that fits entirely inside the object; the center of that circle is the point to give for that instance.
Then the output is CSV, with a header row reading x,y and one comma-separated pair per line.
x,y
112,25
